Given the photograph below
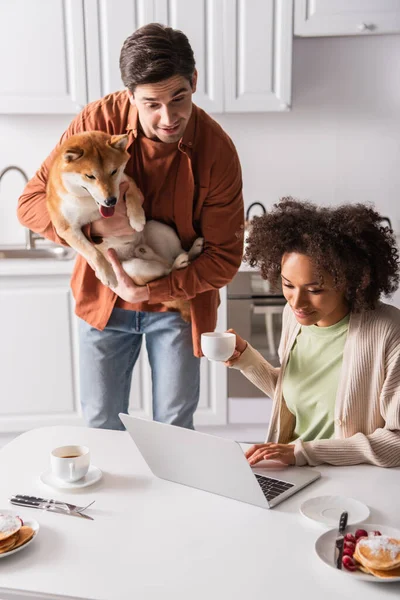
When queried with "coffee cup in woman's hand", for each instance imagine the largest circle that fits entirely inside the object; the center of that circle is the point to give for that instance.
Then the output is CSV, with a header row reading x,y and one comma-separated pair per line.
x,y
218,346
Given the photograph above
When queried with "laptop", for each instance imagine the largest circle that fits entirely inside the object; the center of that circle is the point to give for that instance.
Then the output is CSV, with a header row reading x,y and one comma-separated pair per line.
x,y
213,464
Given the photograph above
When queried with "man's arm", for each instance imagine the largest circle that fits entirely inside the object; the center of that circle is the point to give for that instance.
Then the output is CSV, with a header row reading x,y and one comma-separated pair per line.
x,y
222,226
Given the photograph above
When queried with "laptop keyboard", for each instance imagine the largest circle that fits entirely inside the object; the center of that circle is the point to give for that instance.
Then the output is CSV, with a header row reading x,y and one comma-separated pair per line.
x,y
272,487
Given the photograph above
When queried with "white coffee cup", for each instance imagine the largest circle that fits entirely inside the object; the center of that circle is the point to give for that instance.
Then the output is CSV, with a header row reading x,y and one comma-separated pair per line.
x,y
70,463
218,346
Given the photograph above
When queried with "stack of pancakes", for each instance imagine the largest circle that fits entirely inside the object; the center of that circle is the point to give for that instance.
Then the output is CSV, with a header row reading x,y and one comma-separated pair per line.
x,y
13,533
379,556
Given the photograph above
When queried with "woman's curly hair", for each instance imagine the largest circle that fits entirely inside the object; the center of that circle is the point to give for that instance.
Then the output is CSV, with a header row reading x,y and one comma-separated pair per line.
x,y
349,242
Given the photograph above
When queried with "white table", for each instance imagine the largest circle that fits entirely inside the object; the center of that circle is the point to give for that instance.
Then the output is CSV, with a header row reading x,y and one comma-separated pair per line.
x,y
152,539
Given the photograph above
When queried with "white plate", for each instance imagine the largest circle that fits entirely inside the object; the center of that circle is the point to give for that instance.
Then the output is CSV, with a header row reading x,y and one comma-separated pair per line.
x,y
327,510
29,522
93,475
325,548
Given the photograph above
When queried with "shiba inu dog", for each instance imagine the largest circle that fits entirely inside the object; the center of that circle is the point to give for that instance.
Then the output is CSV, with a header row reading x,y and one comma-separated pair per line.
x,y
83,183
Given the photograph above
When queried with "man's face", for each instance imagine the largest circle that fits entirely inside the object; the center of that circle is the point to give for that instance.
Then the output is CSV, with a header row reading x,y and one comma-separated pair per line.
x,y
164,108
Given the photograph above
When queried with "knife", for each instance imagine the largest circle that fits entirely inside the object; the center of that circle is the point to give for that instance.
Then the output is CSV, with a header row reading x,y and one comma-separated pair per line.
x,y
51,501
339,542
48,507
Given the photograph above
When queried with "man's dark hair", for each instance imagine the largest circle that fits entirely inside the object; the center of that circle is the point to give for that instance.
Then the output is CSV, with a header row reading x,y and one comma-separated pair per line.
x,y
154,53
350,242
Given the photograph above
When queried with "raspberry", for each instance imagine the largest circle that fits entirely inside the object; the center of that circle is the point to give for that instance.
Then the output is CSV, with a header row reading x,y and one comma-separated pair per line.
x,y
349,563
350,546
349,537
348,551
361,533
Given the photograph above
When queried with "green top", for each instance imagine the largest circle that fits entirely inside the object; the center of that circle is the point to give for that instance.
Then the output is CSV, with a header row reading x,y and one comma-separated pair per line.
x,y
311,379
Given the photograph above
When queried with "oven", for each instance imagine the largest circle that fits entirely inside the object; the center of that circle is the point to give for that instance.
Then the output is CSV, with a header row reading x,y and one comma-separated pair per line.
x,y
255,313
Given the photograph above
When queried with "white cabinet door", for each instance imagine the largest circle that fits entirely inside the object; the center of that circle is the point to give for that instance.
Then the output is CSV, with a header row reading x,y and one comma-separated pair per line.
x,y
258,55
38,361
110,22
42,49
213,402
346,17
201,21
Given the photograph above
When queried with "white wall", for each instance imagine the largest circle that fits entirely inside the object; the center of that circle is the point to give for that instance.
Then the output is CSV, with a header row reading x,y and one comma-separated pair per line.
x,y
339,143
341,140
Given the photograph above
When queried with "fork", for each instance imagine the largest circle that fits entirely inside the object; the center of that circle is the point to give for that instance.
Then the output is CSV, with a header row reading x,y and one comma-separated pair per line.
x,y
70,507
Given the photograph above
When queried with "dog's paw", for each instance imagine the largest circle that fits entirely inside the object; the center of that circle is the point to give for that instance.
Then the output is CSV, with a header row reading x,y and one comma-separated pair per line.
x,y
197,248
137,222
106,275
181,261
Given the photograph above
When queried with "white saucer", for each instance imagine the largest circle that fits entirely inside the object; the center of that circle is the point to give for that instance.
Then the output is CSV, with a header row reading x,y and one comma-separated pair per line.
x,y
327,510
325,544
93,475
29,522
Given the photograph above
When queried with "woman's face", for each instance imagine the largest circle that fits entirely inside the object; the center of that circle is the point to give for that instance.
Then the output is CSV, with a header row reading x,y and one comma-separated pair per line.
x,y
314,302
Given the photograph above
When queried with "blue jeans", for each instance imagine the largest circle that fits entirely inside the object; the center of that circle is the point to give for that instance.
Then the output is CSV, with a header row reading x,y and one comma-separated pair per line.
x,y
107,359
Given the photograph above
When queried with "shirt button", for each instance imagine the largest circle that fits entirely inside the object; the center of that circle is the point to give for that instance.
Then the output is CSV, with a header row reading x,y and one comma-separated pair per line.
x,y
338,422
190,144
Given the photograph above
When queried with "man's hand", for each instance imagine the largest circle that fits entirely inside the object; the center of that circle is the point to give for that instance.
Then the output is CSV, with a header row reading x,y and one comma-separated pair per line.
x,y
282,452
118,224
126,288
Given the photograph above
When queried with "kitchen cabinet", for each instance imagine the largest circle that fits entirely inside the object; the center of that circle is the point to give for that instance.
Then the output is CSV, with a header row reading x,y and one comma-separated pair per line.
x,y
43,68
67,54
39,354
247,69
257,55
346,17
110,22
38,358
250,72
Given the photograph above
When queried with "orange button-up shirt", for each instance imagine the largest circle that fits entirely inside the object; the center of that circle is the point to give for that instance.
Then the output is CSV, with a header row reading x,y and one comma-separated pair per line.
x,y
207,202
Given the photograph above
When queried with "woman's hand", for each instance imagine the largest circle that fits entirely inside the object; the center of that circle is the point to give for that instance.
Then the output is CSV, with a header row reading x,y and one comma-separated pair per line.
x,y
126,288
282,452
118,224
240,347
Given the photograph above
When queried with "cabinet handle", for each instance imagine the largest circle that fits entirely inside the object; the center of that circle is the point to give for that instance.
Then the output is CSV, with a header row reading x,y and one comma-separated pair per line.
x,y
365,27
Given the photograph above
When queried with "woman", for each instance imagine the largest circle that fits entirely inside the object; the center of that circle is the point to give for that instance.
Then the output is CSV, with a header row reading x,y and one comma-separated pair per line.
x,y
336,396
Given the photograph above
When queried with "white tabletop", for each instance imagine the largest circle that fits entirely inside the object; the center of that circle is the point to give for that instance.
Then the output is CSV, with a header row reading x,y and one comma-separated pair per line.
x,y
154,539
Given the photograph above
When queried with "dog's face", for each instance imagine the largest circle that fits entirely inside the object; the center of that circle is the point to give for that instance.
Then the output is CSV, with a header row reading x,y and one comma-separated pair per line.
x,y
92,165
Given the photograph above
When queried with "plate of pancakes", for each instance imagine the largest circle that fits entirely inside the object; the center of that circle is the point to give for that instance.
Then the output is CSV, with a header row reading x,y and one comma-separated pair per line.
x,y
15,533
374,557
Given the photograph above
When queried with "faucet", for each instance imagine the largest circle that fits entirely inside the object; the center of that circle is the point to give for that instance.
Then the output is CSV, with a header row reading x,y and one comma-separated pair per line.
x,y
30,236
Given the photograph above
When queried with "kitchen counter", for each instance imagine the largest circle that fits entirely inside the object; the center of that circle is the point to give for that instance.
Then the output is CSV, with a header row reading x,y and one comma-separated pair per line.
x,y
17,267
21,267
245,267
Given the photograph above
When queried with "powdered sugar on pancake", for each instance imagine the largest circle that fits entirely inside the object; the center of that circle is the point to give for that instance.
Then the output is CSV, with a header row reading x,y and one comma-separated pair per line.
x,y
381,543
9,524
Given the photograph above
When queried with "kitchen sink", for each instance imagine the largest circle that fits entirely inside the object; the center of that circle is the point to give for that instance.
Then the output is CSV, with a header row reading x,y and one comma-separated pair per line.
x,y
51,252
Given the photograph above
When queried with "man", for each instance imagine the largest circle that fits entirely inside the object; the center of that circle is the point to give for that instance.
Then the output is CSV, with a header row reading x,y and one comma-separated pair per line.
x,y
189,173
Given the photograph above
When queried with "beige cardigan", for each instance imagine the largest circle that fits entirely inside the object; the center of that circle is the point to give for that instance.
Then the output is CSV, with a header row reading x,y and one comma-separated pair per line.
x,y
367,410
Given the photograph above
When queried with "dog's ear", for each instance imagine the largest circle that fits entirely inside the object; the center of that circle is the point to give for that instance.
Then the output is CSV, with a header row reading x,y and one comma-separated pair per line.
x,y
119,142
73,153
